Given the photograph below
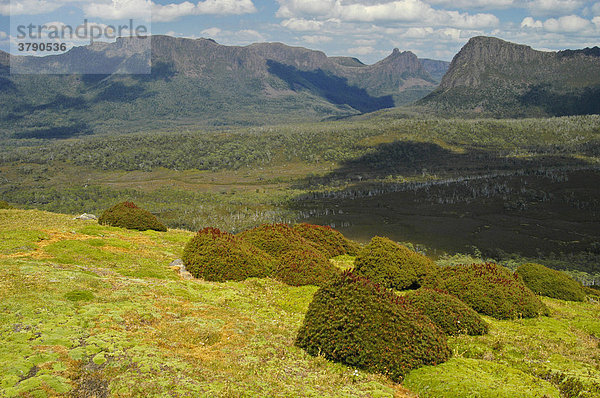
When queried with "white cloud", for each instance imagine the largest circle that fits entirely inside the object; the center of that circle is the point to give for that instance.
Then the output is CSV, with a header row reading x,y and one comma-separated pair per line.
x,y
316,39
553,7
408,11
596,21
531,23
123,9
3,35
212,32
566,24
596,8
469,4
300,24
365,42
361,50
570,23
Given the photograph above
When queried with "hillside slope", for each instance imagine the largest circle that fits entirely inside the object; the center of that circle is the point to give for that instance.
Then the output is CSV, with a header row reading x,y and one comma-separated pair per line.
x,y
89,310
492,76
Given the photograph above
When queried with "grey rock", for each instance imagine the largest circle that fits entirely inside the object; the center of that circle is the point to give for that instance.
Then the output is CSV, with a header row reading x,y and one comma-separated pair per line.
x,y
86,217
177,263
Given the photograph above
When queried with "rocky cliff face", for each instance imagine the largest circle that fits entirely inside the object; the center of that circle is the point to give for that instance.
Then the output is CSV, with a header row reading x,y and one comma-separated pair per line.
x,y
507,79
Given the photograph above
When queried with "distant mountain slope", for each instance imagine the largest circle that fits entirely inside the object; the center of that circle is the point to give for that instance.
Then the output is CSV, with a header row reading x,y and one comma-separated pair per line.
x,y
198,82
437,69
493,76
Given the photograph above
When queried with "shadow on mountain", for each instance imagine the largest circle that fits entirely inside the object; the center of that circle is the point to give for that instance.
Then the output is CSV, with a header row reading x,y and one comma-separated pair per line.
x,y
334,89
583,102
535,207
56,132
119,92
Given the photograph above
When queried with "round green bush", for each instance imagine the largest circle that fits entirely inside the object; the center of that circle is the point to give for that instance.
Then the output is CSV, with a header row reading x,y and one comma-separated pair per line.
x,y
327,239
299,268
219,256
448,312
392,265
490,289
128,215
356,322
548,282
4,205
277,239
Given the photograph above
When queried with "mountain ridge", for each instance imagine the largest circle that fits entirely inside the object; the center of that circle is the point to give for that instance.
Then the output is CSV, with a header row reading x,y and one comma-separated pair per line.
x,y
494,76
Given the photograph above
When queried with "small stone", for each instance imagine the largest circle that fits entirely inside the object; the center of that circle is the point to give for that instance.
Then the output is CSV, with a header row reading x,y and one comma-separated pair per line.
x,y
86,217
177,263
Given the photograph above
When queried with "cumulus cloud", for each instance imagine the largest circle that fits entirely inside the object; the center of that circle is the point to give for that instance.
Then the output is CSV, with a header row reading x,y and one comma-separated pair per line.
x,y
566,24
123,9
364,50
553,7
469,4
407,11
316,39
3,35
301,24
211,32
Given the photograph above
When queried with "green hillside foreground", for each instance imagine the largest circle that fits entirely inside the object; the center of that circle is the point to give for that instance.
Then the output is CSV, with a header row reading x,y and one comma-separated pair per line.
x,y
90,310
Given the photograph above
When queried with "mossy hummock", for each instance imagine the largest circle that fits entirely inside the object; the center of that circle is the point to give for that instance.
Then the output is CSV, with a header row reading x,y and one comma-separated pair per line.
x,y
129,215
393,265
490,289
551,283
278,239
448,312
219,256
299,268
327,239
362,324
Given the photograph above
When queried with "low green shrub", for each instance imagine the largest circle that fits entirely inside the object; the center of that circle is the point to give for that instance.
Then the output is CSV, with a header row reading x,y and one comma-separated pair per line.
x,y
490,289
327,239
299,268
392,265
359,323
277,239
448,312
548,282
4,205
128,215
219,256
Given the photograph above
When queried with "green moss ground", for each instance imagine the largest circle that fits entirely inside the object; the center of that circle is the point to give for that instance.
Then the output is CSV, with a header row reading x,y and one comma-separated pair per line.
x,y
87,308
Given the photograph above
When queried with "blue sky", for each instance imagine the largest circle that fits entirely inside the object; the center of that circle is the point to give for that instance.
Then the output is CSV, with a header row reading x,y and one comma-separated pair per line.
x,y
366,29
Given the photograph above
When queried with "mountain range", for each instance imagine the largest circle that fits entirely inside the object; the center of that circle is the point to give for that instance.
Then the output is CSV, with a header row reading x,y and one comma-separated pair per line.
x,y
200,82
499,78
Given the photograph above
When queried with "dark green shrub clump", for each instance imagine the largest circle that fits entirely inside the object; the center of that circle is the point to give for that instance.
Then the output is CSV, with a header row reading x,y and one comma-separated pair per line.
x,y
448,312
490,289
128,215
4,205
277,239
299,268
327,239
361,324
548,282
219,256
392,265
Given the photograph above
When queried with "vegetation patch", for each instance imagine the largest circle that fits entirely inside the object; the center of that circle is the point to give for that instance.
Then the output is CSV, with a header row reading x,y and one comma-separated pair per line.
x,y
448,312
490,289
551,283
278,239
299,268
393,265
327,239
359,323
4,205
463,377
79,295
129,215
219,256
